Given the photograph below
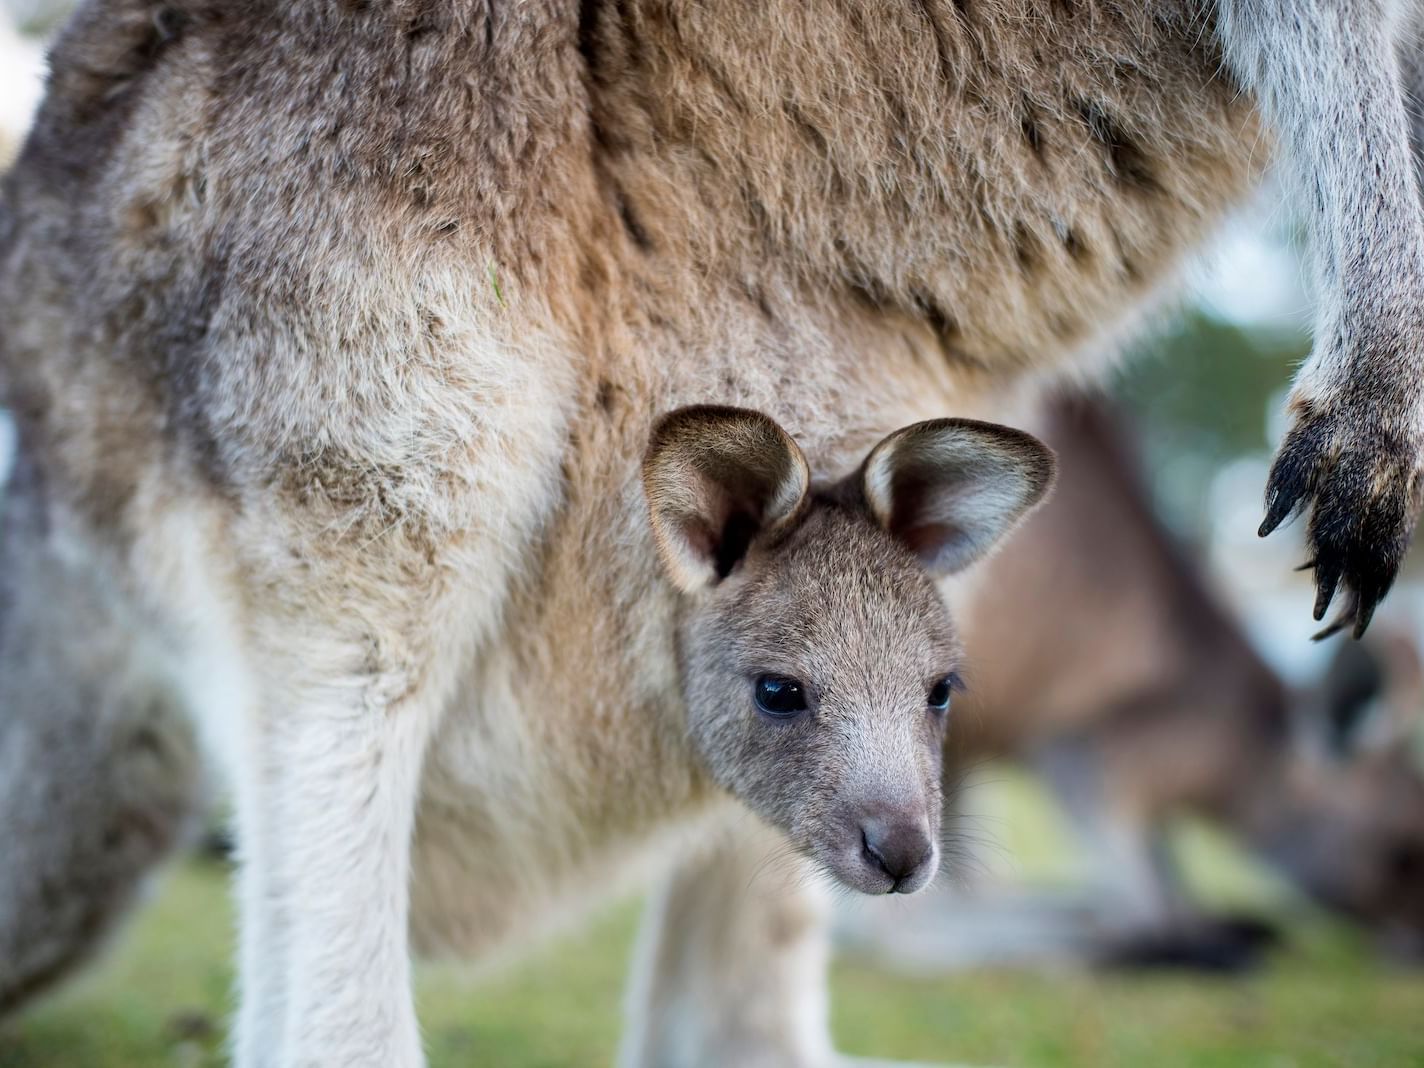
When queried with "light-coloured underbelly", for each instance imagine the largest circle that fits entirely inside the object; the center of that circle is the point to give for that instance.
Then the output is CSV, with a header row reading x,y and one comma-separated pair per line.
x,y
523,825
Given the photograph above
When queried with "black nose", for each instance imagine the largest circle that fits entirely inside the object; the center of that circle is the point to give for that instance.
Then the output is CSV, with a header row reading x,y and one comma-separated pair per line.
x,y
900,847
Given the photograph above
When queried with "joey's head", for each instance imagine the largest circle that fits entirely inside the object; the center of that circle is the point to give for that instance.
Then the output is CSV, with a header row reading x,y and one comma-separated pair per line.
x,y
818,658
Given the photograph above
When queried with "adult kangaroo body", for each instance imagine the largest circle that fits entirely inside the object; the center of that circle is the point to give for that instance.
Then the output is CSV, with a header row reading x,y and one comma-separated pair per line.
x,y
335,332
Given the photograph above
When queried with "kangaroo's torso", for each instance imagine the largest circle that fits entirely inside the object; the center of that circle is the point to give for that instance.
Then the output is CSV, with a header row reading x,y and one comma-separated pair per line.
x,y
412,282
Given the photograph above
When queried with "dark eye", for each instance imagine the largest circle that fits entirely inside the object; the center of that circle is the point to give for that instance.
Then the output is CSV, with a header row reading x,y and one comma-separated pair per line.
x,y
780,696
939,694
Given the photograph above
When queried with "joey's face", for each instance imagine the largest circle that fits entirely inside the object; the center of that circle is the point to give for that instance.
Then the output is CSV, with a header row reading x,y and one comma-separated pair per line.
x,y
818,681
817,656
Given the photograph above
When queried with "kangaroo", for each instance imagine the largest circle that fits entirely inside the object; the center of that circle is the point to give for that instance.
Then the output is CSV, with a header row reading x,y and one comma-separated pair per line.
x,y
1100,658
121,786
814,655
336,324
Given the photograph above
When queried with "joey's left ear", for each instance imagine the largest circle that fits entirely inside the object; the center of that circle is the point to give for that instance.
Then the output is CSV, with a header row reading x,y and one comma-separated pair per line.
x,y
949,489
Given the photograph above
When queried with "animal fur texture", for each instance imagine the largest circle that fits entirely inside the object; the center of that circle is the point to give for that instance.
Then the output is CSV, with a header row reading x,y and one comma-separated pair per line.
x,y
1100,657
335,330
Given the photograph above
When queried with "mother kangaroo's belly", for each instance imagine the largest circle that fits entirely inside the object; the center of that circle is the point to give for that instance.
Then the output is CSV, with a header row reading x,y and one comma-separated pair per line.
x,y
547,792
502,853
1014,192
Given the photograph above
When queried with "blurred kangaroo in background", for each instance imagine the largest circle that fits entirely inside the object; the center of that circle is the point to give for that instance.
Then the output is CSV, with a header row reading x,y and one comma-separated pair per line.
x,y
332,327
1101,659
100,778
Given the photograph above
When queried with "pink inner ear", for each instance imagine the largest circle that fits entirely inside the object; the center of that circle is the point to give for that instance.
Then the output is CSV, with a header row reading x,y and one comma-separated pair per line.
x,y
736,538
700,540
721,536
928,540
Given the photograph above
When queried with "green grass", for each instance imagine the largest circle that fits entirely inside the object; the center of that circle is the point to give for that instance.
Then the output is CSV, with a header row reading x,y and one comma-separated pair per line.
x,y
161,998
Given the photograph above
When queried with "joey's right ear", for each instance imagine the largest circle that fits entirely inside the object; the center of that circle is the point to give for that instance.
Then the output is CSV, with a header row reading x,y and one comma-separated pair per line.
x,y
949,489
715,479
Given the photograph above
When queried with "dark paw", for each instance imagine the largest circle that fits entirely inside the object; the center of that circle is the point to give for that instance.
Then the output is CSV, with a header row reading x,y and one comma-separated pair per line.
x,y
1361,486
1224,945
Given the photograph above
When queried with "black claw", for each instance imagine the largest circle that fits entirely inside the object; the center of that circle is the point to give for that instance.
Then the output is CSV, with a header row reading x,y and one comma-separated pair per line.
x,y
1339,623
1305,566
1280,504
1288,484
1272,521
1327,578
1362,619
1370,595
1343,618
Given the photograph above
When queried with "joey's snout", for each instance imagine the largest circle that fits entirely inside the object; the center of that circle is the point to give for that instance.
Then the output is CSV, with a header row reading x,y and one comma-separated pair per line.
x,y
900,848
886,850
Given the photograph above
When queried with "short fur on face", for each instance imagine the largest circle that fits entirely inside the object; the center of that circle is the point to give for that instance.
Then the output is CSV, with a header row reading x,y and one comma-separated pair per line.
x,y
831,587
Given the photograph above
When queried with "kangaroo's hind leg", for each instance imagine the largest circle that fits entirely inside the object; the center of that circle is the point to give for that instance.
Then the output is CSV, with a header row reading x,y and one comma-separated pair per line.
x,y
100,779
732,965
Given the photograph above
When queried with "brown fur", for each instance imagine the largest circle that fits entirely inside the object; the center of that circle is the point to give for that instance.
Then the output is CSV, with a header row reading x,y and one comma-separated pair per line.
x,y
344,323
1098,648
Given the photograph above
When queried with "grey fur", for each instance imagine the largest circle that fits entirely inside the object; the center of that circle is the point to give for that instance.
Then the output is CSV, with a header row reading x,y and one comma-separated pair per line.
x,y
341,327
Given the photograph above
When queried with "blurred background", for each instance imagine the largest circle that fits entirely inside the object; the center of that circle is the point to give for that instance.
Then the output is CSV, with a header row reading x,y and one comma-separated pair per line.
x,y
1182,833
